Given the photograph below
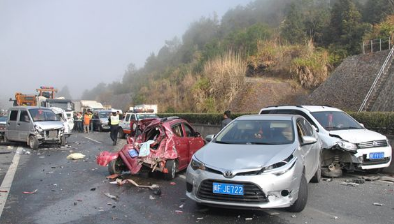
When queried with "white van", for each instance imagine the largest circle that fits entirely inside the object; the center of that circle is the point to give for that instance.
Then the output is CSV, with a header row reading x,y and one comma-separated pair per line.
x,y
34,125
347,144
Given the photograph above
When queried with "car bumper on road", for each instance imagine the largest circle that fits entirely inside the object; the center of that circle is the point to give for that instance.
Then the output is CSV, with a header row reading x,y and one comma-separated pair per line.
x,y
260,191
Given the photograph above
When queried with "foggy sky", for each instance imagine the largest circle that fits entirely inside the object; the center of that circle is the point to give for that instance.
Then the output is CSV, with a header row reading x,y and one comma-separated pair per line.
x,y
80,43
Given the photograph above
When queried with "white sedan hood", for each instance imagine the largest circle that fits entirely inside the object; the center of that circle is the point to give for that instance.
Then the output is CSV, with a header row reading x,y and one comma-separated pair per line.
x,y
358,135
239,157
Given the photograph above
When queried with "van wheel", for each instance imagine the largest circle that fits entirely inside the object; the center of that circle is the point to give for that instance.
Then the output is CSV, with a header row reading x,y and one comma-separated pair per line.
x,y
33,142
300,203
171,167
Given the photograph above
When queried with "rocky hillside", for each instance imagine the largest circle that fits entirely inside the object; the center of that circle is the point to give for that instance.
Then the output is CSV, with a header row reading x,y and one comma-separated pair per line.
x,y
348,85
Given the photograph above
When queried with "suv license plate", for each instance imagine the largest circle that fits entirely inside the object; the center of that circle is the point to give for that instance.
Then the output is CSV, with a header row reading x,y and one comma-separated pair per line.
x,y
376,155
232,189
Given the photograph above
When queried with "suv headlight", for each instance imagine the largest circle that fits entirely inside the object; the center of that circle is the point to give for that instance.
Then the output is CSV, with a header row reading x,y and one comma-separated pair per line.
x,y
347,146
196,164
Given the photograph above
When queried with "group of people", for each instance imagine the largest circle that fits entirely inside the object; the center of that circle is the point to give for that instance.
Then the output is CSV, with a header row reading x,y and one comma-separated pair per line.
x,y
83,121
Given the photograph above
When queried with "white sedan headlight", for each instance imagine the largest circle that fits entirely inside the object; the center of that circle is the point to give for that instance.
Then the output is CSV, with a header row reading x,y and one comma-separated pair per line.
x,y
282,166
347,146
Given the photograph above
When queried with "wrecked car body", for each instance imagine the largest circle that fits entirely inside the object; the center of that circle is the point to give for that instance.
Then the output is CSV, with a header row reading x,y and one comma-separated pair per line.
x,y
347,144
162,144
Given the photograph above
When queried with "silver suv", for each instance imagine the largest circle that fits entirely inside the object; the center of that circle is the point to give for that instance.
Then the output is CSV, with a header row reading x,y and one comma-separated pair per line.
x,y
347,144
34,125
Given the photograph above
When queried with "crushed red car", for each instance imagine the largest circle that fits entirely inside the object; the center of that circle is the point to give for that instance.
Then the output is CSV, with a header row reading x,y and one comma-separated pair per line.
x,y
160,144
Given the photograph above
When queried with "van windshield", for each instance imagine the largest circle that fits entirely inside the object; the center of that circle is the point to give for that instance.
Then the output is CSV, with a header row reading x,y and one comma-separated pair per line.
x,y
40,114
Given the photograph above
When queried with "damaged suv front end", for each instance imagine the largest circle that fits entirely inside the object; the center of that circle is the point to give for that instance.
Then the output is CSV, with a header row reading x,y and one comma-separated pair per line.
x,y
347,144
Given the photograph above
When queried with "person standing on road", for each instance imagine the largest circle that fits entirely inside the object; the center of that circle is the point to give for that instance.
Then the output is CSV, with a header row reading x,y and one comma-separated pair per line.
x,y
113,121
78,120
86,121
227,119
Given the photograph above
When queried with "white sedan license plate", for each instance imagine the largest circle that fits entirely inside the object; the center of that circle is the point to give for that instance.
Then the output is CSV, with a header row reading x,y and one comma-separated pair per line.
x,y
376,155
231,189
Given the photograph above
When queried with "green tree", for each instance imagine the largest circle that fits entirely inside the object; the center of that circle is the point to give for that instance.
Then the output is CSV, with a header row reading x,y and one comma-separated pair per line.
x,y
346,29
293,29
375,11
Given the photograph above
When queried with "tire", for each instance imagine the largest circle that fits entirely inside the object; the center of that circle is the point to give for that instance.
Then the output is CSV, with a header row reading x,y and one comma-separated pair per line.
x,y
302,199
33,142
115,166
171,167
317,177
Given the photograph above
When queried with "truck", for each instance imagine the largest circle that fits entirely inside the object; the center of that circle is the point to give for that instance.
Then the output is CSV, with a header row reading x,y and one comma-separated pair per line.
x,y
22,99
83,105
130,119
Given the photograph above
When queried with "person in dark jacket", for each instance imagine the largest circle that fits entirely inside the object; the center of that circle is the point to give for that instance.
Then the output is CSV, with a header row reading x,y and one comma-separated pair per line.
x,y
227,119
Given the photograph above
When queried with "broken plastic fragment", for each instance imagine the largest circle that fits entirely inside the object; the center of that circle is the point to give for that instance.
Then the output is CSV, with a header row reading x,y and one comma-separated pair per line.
x,y
178,211
30,192
113,176
377,204
248,219
112,196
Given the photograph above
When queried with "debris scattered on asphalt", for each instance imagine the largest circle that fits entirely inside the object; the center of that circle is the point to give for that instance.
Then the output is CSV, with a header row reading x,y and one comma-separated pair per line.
x,y
327,179
112,196
181,206
151,197
294,216
274,213
358,181
248,219
155,188
371,178
377,204
178,211
173,183
349,184
30,192
76,156
385,178
113,176
93,189
335,217
200,218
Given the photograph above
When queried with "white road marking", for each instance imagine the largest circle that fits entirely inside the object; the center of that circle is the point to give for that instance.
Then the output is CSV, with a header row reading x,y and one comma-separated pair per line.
x,y
9,177
93,140
182,176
